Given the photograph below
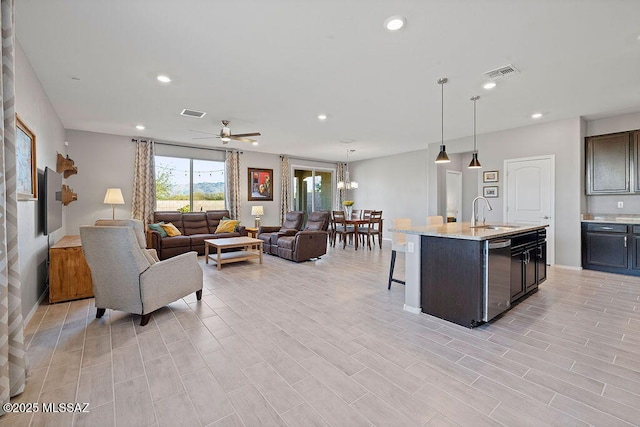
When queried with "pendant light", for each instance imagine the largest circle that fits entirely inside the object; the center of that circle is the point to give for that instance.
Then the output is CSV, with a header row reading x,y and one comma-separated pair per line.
x,y
442,155
475,164
347,184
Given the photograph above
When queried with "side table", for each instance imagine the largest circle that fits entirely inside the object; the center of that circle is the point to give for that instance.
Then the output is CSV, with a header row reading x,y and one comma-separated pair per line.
x,y
69,274
253,232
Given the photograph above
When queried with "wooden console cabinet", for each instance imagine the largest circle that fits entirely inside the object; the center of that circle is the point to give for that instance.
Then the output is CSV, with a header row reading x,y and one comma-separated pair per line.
x,y
69,274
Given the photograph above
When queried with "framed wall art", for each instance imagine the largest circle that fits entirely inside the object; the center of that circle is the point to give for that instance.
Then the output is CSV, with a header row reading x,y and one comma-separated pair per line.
x,y
26,172
490,192
490,176
260,184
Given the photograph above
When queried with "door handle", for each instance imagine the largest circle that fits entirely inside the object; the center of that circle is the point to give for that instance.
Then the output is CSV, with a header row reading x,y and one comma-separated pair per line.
x,y
544,217
625,241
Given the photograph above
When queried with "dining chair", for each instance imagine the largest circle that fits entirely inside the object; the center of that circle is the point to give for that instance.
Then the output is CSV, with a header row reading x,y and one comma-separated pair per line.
x,y
372,229
398,244
435,220
343,229
356,214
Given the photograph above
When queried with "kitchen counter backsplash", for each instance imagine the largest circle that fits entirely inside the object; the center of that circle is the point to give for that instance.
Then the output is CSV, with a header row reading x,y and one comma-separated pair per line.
x,y
619,219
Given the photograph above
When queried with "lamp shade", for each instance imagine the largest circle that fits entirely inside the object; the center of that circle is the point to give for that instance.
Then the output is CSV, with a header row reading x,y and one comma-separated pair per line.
x,y
114,197
257,210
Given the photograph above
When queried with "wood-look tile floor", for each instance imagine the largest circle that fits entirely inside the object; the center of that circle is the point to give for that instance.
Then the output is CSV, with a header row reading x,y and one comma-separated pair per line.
x,y
325,343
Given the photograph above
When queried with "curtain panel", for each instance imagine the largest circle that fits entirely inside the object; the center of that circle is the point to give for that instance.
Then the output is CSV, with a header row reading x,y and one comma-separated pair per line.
x,y
13,357
232,166
285,188
341,169
144,182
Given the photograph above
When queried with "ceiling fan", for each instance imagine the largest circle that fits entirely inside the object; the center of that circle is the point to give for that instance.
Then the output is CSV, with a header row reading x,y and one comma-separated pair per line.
x,y
225,134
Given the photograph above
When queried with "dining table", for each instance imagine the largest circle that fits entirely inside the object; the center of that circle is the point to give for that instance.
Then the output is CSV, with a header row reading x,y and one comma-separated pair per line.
x,y
358,222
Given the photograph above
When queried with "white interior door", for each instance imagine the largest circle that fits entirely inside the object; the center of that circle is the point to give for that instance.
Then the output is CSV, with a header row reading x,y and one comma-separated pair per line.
x,y
530,190
454,195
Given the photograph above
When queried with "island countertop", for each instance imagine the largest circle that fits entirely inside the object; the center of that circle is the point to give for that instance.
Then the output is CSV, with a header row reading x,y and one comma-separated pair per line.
x,y
463,230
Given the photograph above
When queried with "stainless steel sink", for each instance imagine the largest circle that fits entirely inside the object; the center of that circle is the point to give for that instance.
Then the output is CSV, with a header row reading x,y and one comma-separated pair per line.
x,y
497,227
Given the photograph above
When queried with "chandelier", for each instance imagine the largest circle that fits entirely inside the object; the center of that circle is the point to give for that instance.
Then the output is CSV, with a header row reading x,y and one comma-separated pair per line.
x,y
347,184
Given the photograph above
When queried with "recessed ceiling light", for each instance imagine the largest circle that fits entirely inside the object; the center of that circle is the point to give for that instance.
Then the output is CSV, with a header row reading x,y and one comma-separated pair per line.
x,y
322,117
394,23
140,127
489,85
536,115
164,79
254,143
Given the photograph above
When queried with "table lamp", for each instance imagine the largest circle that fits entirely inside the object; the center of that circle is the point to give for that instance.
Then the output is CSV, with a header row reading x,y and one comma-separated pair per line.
x,y
113,197
257,211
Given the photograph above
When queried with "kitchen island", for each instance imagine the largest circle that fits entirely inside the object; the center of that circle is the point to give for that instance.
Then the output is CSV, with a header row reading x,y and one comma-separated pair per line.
x,y
450,273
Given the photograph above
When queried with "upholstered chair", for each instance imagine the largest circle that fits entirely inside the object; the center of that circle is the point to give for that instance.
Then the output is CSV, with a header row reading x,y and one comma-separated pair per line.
x,y
126,278
138,229
270,234
308,243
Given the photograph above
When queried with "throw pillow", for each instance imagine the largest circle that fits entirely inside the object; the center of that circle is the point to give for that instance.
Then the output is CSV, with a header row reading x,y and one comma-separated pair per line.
x,y
171,229
227,226
158,228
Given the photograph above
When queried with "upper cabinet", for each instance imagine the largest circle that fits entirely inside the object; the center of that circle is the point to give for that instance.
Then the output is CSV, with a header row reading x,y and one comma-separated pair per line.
x,y
611,163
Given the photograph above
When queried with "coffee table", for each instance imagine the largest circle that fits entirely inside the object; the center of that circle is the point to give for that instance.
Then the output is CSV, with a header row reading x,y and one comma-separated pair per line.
x,y
251,249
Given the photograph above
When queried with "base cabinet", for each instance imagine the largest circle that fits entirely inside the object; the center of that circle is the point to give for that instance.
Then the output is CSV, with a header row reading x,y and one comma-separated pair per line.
x,y
528,263
69,273
611,247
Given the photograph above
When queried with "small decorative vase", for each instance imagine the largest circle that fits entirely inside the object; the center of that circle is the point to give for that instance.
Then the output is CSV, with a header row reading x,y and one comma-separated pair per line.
x,y
348,210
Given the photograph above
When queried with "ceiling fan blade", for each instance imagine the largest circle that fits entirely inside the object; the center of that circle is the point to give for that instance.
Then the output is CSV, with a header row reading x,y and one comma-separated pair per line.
x,y
206,137
236,138
246,134
200,131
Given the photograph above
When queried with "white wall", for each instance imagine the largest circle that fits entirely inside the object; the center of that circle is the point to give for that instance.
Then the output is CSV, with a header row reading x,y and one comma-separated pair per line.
x,y
562,138
103,161
106,161
397,185
35,109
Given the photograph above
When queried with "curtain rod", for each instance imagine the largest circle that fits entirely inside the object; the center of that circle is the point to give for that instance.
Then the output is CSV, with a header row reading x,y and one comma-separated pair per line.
x,y
189,146
308,159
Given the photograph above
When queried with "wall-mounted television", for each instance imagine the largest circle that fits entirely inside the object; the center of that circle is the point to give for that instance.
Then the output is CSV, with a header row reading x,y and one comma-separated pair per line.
x,y
53,201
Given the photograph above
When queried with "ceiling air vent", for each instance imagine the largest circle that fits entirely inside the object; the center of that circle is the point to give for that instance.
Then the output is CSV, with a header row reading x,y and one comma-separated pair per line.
x,y
507,70
193,113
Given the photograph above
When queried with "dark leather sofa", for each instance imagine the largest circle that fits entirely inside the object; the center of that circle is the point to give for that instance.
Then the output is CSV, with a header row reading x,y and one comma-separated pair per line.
x,y
195,227
269,234
309,243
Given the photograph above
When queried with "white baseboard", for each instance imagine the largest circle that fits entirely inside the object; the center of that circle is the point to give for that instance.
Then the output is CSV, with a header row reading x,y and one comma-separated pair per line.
x,y
410,309
35,307
567,267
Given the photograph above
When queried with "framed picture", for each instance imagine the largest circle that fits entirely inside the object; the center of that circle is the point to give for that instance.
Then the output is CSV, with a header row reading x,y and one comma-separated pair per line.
x,y
490,176
490,191
27,174
260,184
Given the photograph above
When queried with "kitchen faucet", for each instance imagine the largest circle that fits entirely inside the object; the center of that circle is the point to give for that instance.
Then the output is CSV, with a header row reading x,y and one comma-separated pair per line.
x,y
474,212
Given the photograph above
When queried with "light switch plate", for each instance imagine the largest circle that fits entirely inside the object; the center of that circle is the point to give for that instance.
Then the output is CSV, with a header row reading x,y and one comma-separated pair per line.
x,y
620,205
410,247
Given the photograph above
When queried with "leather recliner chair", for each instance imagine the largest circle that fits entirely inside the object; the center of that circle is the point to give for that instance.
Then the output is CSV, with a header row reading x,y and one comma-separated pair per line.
x,y
270,234
308,243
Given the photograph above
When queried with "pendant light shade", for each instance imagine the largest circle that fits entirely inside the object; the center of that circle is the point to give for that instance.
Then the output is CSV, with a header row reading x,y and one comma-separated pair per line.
x,y
442,155
475,163
347,184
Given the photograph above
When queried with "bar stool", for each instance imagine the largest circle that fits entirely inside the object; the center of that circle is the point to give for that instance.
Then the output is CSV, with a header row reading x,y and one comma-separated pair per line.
x,y
398,244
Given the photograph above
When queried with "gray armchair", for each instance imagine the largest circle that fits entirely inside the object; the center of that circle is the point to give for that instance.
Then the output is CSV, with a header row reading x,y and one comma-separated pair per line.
x,y
126,277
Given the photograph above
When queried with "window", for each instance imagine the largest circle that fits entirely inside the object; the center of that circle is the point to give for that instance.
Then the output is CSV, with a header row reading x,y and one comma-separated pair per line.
x,y
312,189
189,185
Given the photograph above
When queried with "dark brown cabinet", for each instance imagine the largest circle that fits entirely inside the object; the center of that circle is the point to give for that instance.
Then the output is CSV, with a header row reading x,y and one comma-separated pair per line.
x,y
611,247
609,166
528,263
